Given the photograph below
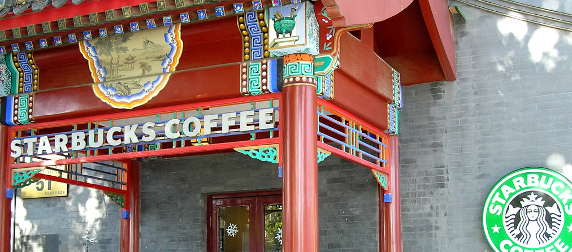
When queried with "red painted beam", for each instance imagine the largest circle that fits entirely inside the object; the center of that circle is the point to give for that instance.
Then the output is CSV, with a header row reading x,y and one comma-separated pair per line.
x,y
440,26
352,158
359,61
342,111
363,91
208,70
150,111
205,44
351,12
5,210
360,101
188,150
79,183
185,87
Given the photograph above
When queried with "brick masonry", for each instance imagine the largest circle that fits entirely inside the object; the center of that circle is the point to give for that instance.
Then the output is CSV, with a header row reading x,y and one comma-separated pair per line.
x,y
174,192
510,108
83,212
173,205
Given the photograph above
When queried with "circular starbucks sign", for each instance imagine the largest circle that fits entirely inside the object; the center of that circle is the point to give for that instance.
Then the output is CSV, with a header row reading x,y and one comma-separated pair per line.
x,y
529,210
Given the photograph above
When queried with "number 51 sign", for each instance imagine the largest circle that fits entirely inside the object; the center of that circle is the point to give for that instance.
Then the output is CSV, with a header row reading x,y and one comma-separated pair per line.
x,y
46,188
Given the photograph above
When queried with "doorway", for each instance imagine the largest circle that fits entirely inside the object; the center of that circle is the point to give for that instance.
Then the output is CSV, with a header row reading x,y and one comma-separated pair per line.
x,y
245,222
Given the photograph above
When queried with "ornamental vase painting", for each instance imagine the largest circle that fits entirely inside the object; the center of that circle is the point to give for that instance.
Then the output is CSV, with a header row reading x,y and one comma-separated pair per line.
x,y
293,29
129,69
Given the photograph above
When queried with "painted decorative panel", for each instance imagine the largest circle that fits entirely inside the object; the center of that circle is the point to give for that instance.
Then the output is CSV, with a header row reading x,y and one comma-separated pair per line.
x,y
397,94
382,179
28,72
259,77
132,68
23,178
393,119
117,198
17,109
266,153
18,74
327,31
324,66
254,31
5,78
322,155
293,29
393,109
299,69
325,87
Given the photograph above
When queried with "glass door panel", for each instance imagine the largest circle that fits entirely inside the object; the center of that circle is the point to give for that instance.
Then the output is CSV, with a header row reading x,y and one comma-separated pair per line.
x,y
245,222
273,228
234,226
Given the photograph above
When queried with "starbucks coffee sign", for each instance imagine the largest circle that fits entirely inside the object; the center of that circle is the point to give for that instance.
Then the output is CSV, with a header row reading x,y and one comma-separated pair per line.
x,y
530,210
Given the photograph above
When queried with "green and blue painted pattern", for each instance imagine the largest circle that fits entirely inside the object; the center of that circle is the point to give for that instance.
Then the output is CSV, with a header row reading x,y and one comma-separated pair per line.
x,y
259,77
299,69
397,97
393,109
255,78
325,88
24,178
23,108
322,156
269,154
118,199
382,178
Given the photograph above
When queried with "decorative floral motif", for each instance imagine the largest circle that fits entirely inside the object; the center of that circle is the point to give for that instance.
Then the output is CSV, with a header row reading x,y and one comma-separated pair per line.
x,y
231,230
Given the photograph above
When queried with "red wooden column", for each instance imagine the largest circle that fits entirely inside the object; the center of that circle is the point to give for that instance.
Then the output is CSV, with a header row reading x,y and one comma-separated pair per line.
x,y
5,210
130,215
125,215
134,206
394,210
124,233
299,119
384,227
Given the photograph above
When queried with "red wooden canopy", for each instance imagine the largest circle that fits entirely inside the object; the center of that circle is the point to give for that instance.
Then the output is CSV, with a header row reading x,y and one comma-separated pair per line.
x,y
413,36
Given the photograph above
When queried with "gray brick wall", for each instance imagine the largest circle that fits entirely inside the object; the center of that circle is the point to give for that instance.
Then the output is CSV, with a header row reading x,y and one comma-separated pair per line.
x,y
174,191
510,108
83,211
173,205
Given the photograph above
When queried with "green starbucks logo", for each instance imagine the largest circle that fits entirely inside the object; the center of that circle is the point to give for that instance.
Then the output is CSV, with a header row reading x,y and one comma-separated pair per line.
x,y
530,210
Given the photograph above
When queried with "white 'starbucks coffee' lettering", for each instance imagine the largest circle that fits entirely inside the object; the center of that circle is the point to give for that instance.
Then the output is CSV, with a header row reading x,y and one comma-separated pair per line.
x,y
530,210
132,134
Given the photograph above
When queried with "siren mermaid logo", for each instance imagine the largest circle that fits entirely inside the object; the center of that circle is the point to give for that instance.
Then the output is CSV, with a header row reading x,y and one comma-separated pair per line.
x,y
530,210
532,224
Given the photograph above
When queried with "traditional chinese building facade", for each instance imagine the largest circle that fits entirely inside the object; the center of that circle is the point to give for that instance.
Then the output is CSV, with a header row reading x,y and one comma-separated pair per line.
x,y
209,125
